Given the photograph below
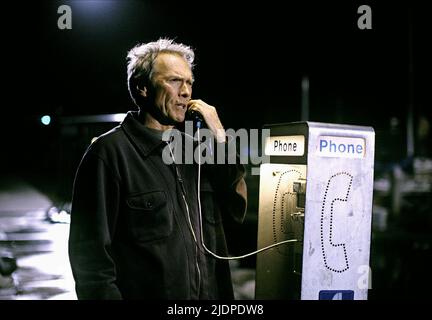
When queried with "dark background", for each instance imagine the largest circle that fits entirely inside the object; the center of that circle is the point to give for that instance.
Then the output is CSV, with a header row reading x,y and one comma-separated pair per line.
x,y
250,59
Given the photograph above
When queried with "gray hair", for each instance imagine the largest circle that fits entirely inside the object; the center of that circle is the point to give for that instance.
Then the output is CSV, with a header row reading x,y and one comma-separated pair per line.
x,y
141,59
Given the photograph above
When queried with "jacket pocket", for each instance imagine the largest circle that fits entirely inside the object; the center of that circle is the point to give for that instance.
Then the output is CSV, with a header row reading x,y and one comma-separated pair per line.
x,y
149,216
209,208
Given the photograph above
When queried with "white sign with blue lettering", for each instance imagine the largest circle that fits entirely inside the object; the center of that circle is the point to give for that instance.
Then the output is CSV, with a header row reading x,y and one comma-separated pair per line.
x,y
341,147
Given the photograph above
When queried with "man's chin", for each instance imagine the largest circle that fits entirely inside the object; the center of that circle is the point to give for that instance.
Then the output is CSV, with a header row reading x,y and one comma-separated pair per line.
x,y
178,119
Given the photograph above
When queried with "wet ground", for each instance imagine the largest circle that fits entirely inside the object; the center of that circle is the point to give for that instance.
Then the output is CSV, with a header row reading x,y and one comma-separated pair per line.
x,y
40,248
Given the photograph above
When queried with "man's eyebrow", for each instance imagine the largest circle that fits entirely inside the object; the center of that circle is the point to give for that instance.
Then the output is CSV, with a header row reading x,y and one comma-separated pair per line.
x,y
181,77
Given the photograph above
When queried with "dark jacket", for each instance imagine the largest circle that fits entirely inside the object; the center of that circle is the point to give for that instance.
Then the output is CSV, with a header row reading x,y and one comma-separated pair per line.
x,y
130,236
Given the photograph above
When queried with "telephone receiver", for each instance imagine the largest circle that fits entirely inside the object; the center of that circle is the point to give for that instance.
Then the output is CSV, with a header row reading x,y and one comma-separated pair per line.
x,y
196,117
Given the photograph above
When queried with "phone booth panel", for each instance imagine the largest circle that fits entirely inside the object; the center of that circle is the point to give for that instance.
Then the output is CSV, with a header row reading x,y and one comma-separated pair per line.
x,y
317,189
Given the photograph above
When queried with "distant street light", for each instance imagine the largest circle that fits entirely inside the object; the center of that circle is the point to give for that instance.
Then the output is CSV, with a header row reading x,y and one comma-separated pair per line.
x,y
46,120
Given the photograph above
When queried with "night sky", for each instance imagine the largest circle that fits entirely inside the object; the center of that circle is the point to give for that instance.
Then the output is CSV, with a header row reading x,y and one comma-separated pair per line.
x,y
250,56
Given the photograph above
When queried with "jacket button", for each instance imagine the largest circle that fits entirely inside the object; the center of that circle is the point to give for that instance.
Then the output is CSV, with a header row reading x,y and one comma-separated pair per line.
x,y
149,204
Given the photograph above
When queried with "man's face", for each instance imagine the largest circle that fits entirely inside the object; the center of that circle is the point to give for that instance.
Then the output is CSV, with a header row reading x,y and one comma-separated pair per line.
x,y
171,87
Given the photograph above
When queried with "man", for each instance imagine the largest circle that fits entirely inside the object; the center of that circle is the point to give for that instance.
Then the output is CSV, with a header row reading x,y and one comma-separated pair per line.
x,y
135,225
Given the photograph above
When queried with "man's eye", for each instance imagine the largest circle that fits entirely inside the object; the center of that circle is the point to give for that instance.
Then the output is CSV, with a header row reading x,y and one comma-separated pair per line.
x,y
178,82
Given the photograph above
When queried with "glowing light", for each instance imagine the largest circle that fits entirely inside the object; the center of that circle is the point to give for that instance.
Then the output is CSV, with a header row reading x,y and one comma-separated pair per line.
x,y
46,120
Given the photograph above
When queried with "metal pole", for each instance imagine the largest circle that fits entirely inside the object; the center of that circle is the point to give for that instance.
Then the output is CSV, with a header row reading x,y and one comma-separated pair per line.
x,y
305,99
410,116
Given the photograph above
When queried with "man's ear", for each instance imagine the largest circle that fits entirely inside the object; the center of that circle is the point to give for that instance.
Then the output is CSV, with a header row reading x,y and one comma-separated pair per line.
x,y
142,92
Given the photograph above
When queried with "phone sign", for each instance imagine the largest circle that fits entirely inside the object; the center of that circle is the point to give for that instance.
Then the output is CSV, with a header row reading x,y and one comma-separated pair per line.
x,y
285,145
341,147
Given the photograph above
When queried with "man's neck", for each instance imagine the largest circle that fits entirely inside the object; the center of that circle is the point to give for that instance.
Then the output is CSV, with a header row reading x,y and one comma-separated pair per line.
x,y
149,121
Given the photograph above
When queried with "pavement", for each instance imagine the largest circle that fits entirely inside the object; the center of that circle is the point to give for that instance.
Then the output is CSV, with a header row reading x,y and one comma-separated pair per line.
x,y
40,248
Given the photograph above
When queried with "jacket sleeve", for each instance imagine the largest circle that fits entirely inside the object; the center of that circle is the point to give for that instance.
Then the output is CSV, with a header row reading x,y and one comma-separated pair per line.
x,y
228,180
95,204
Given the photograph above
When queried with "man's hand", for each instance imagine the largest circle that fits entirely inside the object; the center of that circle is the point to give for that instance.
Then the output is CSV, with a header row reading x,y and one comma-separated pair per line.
x,y
211,118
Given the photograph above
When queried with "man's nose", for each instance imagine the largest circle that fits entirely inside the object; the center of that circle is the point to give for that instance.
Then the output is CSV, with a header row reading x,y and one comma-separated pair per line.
x,y
185,90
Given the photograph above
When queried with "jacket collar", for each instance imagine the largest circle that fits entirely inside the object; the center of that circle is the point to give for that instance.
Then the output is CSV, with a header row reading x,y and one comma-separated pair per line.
x,y
146,139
